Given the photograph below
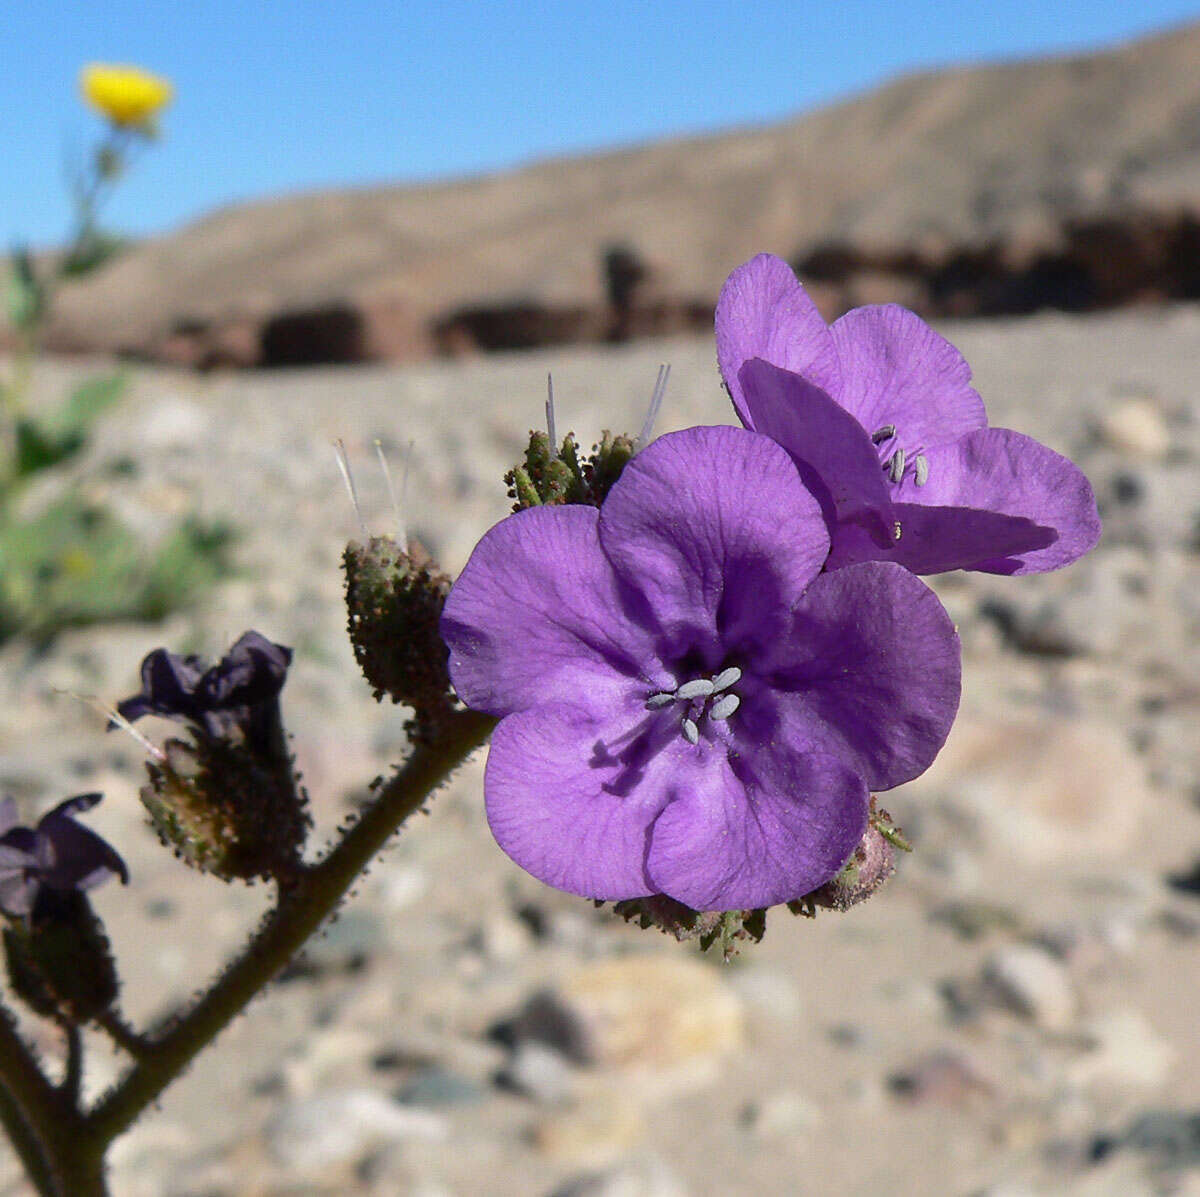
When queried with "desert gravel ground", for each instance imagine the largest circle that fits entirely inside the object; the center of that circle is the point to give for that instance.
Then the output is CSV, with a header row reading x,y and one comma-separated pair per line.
x,y
1014,1015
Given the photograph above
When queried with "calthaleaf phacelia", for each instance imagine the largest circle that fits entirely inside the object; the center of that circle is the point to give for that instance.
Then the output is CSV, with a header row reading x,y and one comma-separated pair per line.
x,y
688,705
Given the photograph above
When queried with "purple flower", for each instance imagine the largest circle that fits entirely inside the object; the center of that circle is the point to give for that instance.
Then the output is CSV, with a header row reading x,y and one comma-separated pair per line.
x,y
688,705
879,413
57,856
237,696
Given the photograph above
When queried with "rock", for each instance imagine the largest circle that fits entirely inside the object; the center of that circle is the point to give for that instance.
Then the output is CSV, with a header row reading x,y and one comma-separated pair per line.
x,y
656,1011
538,1071
174,422
768,993
1136,427
1033,984
778,1115
334,1128
1122,1049
645,1177
594,1135
437,1087
941,1077
502,939
1056,791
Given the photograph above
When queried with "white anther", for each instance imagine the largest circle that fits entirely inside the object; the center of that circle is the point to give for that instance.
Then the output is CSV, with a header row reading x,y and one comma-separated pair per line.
x,y
726,678
896,468
700,688
691,733
724,707
661,699
922,464
883,434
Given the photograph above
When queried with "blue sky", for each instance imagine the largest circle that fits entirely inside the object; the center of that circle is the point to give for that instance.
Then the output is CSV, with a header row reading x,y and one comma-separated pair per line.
x,y
292,95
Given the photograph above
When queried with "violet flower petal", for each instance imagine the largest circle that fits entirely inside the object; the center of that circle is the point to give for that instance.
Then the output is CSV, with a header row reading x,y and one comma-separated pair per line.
x,y
763,311
714,528
252,672
996,469
168,687
753,831
936,539
896,370
69,855
18,892
572,790
870,675
834,452
537,615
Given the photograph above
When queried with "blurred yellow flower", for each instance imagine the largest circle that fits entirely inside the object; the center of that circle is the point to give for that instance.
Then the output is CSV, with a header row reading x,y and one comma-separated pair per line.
x,y
127,95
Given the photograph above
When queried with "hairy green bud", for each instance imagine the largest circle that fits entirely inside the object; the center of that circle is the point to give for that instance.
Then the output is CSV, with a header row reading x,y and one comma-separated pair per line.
x,y
225,810
394,602
59,960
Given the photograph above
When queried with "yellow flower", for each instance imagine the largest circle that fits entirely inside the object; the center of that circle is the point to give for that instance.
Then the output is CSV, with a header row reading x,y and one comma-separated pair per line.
x,y
127,95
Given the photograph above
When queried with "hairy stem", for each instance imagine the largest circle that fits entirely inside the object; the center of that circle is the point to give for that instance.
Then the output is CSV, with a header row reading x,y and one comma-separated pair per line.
x,y
72,1082
44,1124
302,908
25,1145
122,1034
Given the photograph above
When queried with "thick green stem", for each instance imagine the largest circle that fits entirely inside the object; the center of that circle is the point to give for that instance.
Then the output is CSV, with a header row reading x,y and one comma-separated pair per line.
x,y
301,911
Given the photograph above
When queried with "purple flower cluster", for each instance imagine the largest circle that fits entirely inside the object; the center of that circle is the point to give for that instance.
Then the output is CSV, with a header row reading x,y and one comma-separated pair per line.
x,y
700,684
878,412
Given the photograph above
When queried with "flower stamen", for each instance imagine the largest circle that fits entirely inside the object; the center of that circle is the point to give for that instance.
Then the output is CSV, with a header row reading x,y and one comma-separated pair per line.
x,y
696,695
883,434
726,678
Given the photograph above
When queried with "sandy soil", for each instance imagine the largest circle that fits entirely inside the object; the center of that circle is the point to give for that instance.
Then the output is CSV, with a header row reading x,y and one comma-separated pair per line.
x,y
1014,1015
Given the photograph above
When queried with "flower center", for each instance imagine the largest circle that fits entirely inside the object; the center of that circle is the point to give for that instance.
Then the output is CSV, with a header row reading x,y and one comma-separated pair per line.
x,y
894,459
711,696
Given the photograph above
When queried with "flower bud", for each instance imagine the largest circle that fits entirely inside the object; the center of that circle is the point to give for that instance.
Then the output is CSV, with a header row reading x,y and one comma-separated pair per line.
x,y
604,467
225,810
394,601
59,960
870,865
548,478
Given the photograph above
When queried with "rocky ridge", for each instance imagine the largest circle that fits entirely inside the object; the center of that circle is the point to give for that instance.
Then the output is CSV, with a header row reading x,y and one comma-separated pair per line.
x,y
1067,182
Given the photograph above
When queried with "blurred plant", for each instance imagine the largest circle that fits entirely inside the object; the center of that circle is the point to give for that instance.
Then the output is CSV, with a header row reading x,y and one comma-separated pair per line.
x,y
74,562
129,99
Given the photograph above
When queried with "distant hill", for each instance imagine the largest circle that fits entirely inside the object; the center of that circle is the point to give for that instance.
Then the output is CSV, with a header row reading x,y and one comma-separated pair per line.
x,y
1067,181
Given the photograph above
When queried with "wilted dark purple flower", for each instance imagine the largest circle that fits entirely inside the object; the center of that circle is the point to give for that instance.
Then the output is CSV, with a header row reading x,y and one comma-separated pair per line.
x,y
59,855
879,413
236,696
689,706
